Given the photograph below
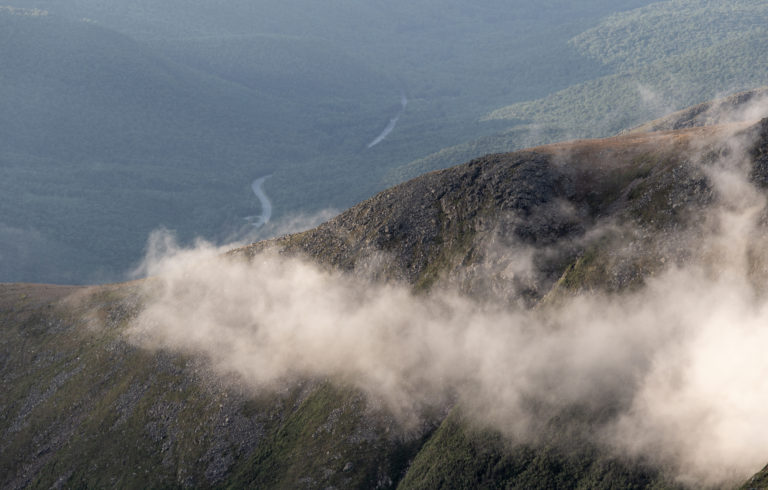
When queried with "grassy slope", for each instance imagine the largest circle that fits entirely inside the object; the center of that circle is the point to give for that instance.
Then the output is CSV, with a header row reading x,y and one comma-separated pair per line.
x,y
82,407
459,455
757,482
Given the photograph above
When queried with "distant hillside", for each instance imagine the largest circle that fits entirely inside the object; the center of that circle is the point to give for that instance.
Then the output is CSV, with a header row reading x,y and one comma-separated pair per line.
x,y
87,403
180,105
103,141
297,91
664,56
671,28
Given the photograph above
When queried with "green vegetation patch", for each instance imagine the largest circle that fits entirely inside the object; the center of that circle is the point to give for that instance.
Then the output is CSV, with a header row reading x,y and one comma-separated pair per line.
x,y
459,455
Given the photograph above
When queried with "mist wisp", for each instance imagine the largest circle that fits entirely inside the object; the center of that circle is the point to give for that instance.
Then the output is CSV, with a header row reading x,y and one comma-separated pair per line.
x,y
679,362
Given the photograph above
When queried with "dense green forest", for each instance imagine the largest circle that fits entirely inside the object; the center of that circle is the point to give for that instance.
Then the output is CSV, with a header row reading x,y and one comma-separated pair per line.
x,y
663,57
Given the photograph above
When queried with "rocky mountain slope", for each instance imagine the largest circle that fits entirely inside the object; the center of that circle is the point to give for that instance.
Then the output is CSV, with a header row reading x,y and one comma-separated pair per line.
x,y
86,401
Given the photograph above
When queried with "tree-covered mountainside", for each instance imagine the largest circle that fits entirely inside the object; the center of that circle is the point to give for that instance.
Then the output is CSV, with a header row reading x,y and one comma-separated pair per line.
x,y
662,57
633,39
509,322
104,141
160,114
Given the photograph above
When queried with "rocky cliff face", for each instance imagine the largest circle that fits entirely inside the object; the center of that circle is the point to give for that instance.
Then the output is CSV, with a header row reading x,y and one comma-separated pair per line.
x,y
82,405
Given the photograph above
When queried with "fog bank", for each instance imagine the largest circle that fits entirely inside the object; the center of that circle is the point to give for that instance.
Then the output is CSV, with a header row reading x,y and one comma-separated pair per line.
x,y
678,364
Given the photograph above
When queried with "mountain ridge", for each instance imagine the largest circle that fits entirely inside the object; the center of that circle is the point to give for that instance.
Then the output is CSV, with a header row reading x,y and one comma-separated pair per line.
x,y
79,388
